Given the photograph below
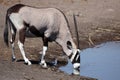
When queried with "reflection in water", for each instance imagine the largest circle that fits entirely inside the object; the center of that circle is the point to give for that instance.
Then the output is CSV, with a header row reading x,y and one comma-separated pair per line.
x,y
101,62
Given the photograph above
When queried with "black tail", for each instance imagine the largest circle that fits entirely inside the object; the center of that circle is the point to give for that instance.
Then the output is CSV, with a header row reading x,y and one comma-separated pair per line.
x,y
6,33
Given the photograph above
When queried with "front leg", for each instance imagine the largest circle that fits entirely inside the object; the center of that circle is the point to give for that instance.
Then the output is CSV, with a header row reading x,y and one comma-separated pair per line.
x,y
45,43
42,62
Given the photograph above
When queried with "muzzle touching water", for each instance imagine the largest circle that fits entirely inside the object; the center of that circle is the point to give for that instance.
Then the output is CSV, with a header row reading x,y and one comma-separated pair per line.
x,y
75,59
76,68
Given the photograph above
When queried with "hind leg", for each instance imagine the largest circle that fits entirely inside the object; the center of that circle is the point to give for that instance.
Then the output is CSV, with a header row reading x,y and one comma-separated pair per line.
x,y
18,23
21,45
13,31
13,48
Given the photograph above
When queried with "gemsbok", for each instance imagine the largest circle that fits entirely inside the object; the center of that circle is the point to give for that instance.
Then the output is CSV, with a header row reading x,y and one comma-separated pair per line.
x,y
49,23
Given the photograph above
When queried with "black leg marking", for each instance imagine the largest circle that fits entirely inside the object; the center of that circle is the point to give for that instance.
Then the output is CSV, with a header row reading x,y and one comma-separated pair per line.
x,y
45,46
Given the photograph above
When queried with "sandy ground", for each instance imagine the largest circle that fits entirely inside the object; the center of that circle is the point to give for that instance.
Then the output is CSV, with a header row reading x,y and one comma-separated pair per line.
x,y
98,21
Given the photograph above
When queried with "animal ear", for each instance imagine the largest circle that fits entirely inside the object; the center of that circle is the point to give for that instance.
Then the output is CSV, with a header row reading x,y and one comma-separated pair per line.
x,y
69,45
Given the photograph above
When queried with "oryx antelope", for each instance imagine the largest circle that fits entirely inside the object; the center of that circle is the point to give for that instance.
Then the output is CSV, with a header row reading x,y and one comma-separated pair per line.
x,y
48,23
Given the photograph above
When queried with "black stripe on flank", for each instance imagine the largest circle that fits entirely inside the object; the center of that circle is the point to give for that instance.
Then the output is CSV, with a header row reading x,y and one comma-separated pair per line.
x,y
37,32
34,30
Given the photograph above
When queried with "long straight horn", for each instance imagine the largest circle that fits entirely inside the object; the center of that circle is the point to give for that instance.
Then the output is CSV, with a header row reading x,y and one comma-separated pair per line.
x,y
77,65
76,30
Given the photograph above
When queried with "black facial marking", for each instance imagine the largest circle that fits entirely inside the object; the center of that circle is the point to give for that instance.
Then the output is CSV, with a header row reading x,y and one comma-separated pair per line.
x,y
76,56
69,45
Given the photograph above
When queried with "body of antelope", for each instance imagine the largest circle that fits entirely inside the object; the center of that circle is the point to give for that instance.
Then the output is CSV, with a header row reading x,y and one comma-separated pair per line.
x,y
48,23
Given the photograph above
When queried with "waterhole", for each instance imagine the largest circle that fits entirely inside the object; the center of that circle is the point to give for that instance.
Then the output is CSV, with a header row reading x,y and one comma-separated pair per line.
x,y
101,62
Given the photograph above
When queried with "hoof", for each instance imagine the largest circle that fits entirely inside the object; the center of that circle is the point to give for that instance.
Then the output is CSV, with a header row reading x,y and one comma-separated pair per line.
x,y
28,62
43,64
13,59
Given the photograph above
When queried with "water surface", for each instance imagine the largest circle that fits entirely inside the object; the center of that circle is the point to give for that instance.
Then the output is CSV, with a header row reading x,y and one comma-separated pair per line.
x,y
101,62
